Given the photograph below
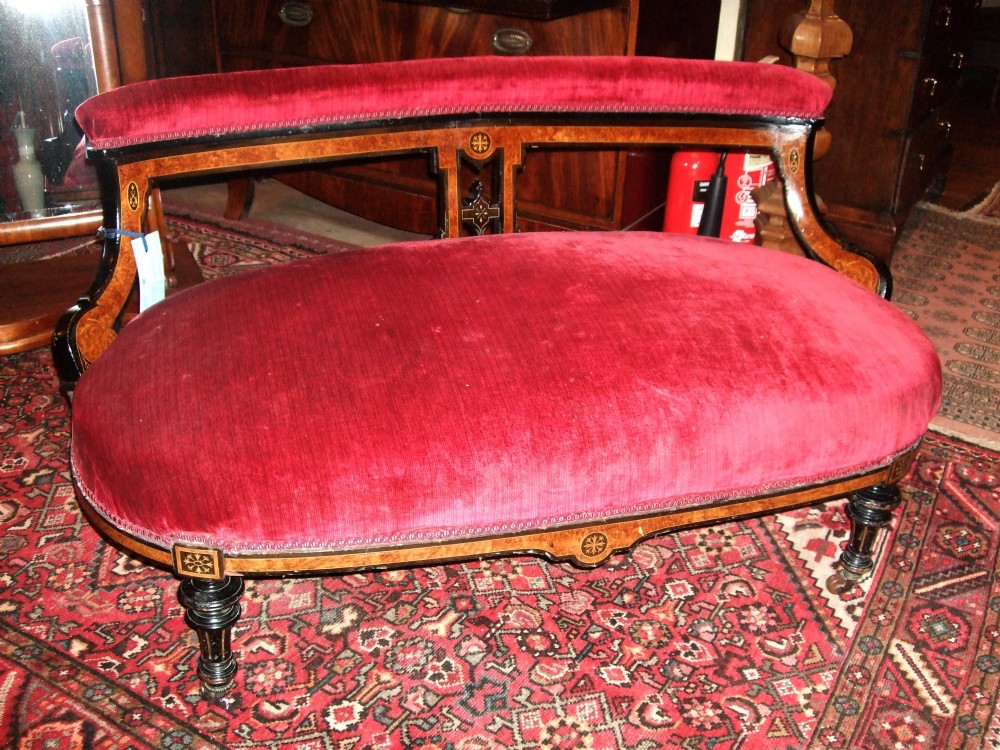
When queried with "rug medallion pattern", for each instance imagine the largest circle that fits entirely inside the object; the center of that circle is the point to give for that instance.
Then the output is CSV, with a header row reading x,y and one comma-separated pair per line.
x,y
708,638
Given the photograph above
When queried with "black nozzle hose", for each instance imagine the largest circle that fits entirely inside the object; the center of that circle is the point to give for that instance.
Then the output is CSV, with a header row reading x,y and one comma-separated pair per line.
x,y
715,200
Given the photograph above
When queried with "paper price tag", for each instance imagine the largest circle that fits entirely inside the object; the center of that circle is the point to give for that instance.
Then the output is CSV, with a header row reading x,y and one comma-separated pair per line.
x,y
149,265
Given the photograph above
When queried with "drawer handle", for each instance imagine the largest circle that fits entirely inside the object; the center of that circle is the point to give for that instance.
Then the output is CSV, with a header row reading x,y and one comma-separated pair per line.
x,y
944,17
296,13
957,60
511,42
930,86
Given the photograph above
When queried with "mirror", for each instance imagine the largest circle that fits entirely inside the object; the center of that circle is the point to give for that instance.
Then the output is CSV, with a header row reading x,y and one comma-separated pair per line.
x,y
46,70
53,55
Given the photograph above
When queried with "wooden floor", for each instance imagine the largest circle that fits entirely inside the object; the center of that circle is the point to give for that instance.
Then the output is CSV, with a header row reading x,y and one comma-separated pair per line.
x,y
975,162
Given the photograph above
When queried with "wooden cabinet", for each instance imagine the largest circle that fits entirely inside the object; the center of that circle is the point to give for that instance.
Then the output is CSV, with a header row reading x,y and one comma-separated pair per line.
x,y
258,33
599,189
889,139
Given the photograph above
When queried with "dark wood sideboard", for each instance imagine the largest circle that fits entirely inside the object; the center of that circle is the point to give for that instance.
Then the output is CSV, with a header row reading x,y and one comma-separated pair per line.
x,y
890,138
599,189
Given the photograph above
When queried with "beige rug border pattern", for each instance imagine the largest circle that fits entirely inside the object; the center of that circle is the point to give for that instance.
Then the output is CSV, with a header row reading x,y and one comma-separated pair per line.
x,y
987,211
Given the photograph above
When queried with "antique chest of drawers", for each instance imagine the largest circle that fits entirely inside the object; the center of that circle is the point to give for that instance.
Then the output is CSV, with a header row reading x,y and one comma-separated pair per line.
x,y
890,134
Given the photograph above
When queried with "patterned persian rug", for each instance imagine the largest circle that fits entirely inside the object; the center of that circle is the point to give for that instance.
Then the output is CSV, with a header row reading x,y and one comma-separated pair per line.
x,y
223,246
713,639
947,273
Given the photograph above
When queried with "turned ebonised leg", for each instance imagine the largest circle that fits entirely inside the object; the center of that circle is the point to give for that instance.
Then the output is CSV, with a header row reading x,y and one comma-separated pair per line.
x,y
869,510
213,607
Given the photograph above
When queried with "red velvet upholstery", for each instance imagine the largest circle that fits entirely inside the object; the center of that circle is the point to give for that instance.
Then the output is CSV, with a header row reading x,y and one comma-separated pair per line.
x,y
270,99
458,387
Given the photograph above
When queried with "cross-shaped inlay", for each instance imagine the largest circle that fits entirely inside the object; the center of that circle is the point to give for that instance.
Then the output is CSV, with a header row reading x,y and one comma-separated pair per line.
x,y
477,210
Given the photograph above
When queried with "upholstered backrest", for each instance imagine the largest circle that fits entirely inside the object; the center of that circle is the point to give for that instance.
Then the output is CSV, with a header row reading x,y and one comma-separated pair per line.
x,y
272,100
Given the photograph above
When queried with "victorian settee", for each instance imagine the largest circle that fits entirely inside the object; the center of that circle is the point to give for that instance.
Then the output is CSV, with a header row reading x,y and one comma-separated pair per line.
x,y
563,394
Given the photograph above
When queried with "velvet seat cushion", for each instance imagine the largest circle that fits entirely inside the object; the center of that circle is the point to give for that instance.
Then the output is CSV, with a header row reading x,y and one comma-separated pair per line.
x,y
310,97
450,388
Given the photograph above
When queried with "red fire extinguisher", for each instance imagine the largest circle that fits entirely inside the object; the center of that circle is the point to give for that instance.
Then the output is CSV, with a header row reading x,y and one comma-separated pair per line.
x,y
698,176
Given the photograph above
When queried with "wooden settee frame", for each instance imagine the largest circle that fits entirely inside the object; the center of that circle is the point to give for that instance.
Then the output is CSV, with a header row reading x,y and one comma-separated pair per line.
x,y
212,581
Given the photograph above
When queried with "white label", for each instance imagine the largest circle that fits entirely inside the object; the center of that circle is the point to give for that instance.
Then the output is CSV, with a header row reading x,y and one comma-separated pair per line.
x,y
753,162
149,265
697,209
